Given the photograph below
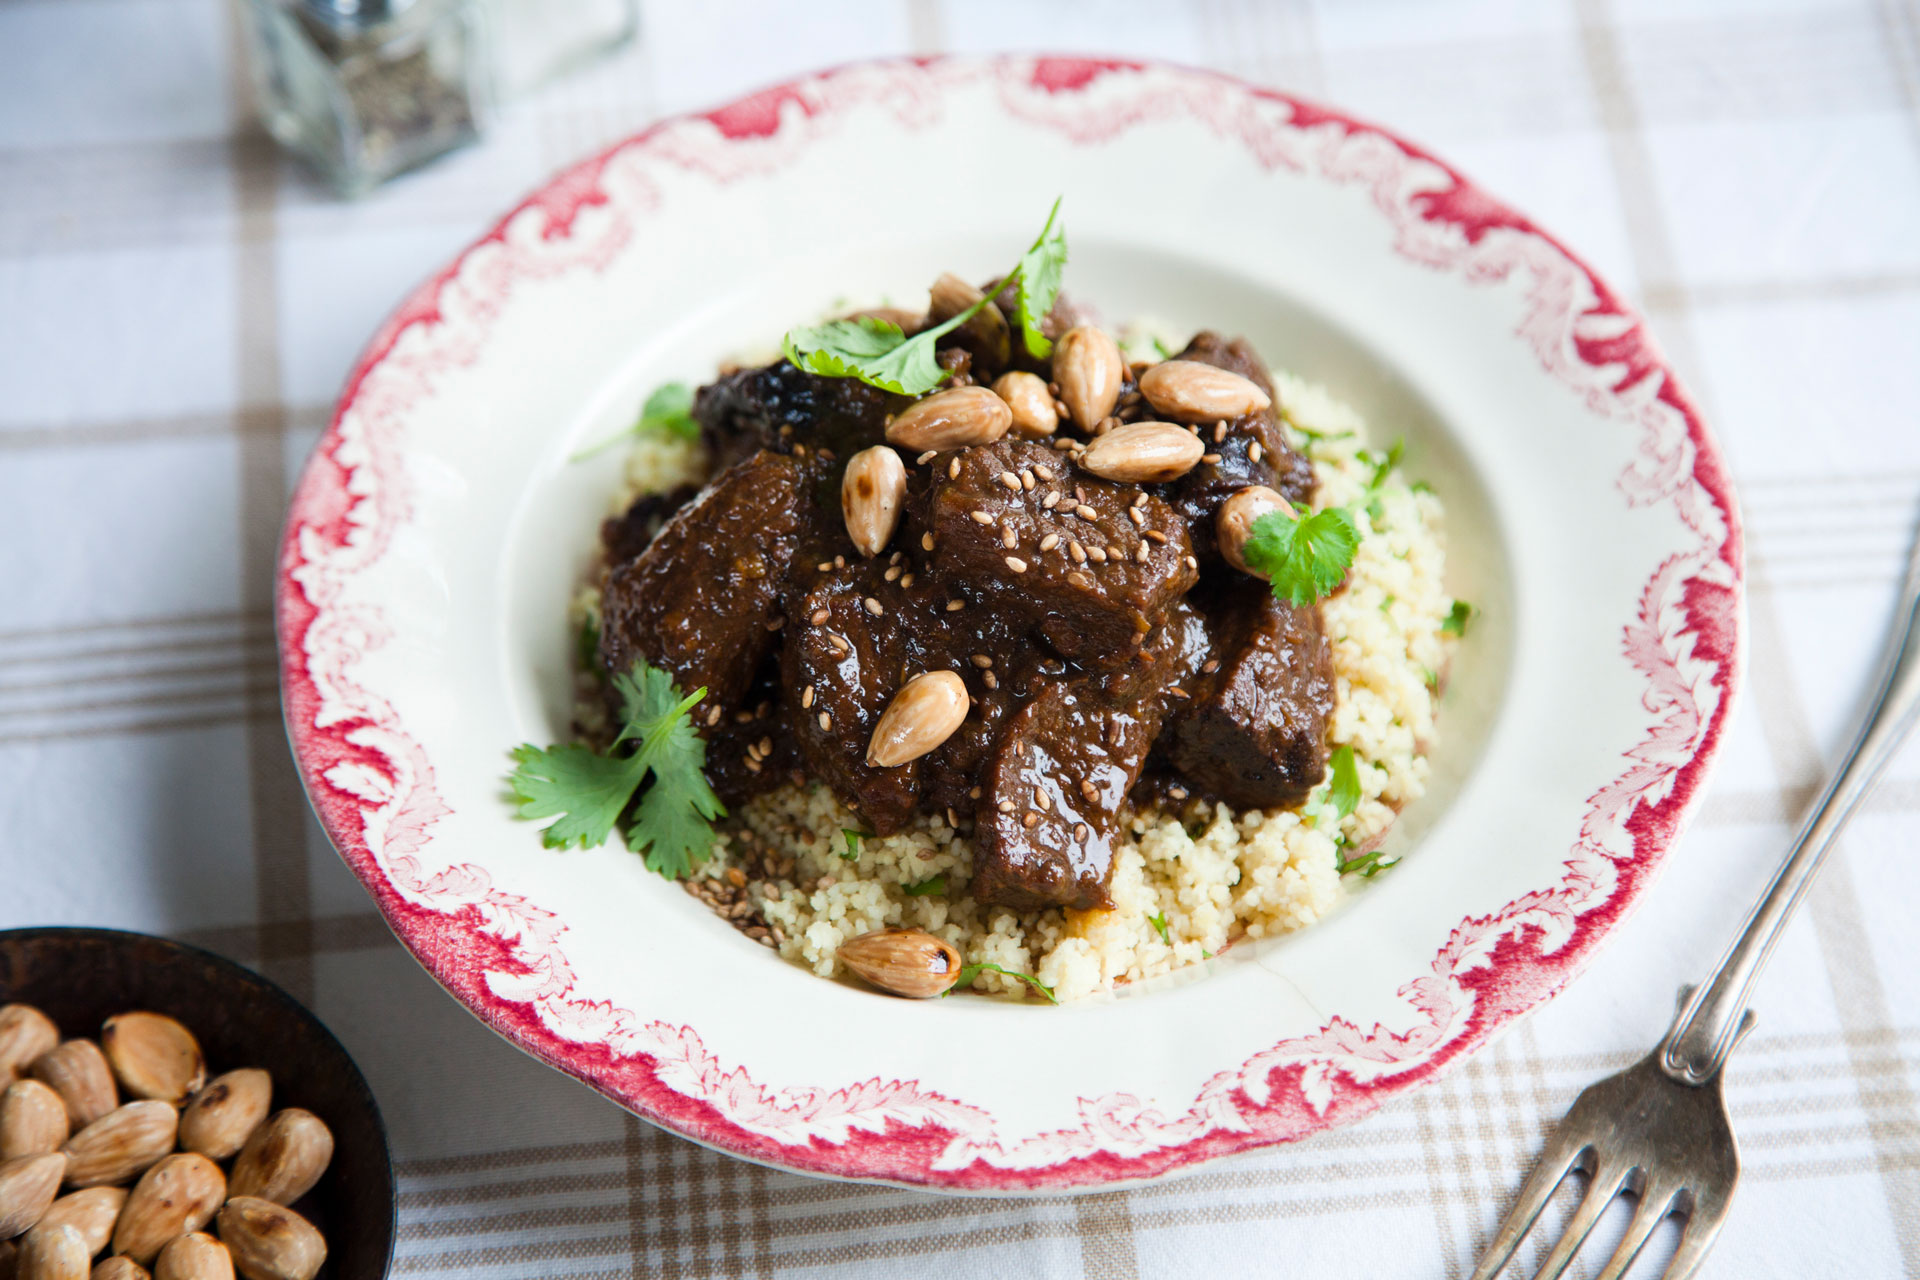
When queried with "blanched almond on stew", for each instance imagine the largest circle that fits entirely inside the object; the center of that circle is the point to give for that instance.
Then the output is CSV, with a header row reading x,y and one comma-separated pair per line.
x,y
921,716
153,1056
951,419
1196,392
1234,523
25,1034
220,1118
906,962
33,1120
1143,453
78,1072
1034,416
1088,369
871,492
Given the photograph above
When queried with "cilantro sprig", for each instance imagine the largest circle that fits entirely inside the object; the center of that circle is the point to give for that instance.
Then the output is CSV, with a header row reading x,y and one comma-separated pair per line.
x,y
938,884
588,790
879,352
1159,922
1367,865
851,852
1305,556
1344,790
1458,616
969,972
667,412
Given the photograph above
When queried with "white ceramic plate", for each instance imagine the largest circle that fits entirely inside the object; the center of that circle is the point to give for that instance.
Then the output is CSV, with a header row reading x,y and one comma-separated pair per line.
x,y
439,527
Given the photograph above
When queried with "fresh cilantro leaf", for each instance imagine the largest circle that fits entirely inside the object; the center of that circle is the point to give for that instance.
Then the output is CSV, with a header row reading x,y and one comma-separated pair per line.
x,y
1304,556
936,885
1367,865
1164,351
877,352
1345,792
1039,275
1159,922
588,790
969,972
1455,623
1205,954
668,412
1384,463
852,837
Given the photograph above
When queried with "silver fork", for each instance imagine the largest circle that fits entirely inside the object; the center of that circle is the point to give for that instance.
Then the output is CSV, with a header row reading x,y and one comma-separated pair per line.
x,y
1659,1129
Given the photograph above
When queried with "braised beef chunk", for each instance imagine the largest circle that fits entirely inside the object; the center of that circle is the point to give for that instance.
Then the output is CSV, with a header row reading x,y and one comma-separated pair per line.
x,y
777,406
750,750
839,674
1025,531
1056,787
1273,463
626,535
1254,734
699,600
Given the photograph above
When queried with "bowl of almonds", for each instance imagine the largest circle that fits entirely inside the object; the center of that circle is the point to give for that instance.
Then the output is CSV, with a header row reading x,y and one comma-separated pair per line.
x,y
166,1114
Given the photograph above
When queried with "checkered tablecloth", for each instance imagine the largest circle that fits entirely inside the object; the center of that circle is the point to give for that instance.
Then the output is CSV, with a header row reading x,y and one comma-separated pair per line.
x,y
178,307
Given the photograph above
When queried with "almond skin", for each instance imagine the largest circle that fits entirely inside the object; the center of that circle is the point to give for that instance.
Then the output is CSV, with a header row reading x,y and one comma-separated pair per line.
x,y
55,1254
1143,453
950,420
122,1144
1190,391
905,962
1034,416
269,1242
1234,523
194,1256
921,716
25,1034
178,1195
120,1269
33,1120
27,1187
1087,366
871,493
79,1073
92,1213
220,1118
284,1157
153,1056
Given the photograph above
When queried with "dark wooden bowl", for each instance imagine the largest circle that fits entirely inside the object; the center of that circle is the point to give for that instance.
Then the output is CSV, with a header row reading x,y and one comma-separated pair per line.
x,y
82,977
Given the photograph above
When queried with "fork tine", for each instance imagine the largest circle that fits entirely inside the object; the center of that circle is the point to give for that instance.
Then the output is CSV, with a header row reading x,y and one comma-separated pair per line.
x,y
1606,1184
1647,1216
1564,1150
1703,1224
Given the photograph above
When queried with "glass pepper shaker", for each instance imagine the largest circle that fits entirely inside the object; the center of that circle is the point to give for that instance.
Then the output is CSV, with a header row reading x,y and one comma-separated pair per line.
x,y
366,89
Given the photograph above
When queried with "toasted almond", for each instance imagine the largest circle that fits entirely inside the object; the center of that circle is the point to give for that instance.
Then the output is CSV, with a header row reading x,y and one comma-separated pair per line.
x,y
120,1269
951,295
33,1120
871,491
175,1196
1194,392
122,1144
906,962
25,1034
220,1118
91,1212
1234,523
56,1253
1143,452
921,716
1034,416
950,420
1087,367
194,1256
284,1157
269,1242
153,1056
27,1186
79,1073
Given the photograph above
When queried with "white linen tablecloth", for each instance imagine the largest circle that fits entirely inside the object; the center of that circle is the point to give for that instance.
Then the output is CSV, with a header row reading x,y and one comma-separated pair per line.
x,y
179,305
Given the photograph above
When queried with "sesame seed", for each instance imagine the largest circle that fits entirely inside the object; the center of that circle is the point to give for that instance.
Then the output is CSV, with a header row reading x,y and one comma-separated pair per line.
x,y
1154,535
1053,389
825,566
874,607
1044,472
1254,451
955,606
1178,793
1009,539
1006,806
1192,563
1098,554
713,716
1060,407
743,717
1052,499
1026,479
839,562
1107,424
1210,666
826,722
753,766
926,542
981,517
1081,832
1016,564
1177,691
1219,432
894,558
990,680
953,469
981,660
1031,821
1136,515
973,793
1116,553
1085,512
766,746
906,580
1010,480
1195,430
1139,499
1049,542
1140,553
926,457
1211,459
1080,580
1078,552
839,644
1087,789
1041,802
892,574
819,616
806,698
774,624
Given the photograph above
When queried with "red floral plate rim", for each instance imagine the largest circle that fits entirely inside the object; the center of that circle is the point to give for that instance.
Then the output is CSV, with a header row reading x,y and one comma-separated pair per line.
x,y
501,956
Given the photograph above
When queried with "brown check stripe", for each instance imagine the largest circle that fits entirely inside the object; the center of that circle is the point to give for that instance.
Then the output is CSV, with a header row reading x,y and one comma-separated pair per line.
x,y
509,1170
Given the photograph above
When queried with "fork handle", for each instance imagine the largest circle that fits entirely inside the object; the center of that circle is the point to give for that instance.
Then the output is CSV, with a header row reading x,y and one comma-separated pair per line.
x,y
1710,1021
